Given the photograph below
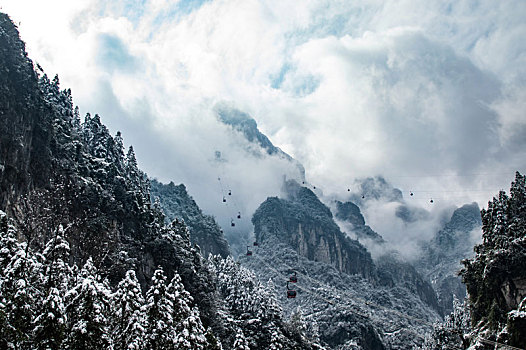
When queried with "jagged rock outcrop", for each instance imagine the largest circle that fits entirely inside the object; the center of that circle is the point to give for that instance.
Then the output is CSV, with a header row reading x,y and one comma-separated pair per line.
x,y
247,126
350,213
204,230
375,188
306,224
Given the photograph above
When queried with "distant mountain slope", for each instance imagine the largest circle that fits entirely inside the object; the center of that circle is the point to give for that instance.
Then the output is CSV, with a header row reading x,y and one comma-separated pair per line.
x,y
177,203
342,311
440,261
367,302
247,126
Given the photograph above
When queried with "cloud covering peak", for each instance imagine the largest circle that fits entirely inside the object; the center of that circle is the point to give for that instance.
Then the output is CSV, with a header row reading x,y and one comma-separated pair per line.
x,y
429,95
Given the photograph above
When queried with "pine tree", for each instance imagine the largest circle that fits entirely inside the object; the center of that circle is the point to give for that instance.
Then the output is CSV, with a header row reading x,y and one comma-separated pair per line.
x,y
188,327
128,319
500,261
240,343
160,329
49,326
49,329
18,289
87,311
212,342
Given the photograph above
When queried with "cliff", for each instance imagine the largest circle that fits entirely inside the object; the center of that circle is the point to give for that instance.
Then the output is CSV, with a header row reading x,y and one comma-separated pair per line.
x,y
307,225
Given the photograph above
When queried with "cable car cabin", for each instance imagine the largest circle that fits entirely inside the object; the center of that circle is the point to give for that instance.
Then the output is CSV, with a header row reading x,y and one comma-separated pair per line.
x,y
348,190
411,193
229,192
363,196
291,293
224,200
293,278
232,223
256,244
314,187
431,201
239,215
249,252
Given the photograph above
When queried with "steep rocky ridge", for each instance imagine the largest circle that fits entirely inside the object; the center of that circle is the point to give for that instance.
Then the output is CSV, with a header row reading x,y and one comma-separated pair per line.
x,y
247,126
350,213
306,224
204,230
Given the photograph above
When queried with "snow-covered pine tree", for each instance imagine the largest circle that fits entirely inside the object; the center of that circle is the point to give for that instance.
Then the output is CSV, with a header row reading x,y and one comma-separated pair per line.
x,y
128,315
453,333
240,343
188,327
493,277
212,342
56,270
49,326
160,328
87,310
19,294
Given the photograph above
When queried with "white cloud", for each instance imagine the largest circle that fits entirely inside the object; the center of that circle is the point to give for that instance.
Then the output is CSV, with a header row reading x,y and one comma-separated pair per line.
x,y
406,89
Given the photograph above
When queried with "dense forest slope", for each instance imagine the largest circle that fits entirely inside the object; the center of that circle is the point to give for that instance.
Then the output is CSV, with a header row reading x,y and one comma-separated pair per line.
x,y
204,230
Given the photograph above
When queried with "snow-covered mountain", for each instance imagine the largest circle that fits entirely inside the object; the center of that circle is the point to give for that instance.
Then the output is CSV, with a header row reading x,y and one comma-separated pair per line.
x,y
90,259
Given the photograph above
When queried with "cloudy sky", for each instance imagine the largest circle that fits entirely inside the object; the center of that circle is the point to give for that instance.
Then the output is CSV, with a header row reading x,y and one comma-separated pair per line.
x,y
429,94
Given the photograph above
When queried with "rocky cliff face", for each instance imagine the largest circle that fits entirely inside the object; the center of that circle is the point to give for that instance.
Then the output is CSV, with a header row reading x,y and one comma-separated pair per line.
x,y
177,203
25,124
306,224
394,272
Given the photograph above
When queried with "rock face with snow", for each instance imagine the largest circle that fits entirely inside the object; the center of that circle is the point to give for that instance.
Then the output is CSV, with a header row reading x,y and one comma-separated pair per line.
x,y
306,224
204,230
350,212
243,124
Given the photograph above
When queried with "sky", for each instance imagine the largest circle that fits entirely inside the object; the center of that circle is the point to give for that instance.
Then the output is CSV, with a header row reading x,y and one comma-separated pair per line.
x,y
429,94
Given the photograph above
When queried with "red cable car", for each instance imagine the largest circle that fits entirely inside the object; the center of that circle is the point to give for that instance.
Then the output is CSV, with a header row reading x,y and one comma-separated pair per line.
x,y
291,293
